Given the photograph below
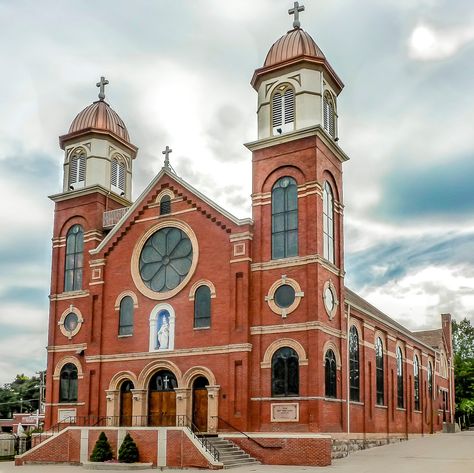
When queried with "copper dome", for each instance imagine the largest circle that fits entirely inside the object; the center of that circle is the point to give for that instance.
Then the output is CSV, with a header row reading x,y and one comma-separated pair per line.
x,y
293,44
100,116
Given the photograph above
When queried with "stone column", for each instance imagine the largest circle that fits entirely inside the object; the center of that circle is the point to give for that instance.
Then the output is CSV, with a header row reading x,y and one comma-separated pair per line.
x,y
212,408
113,407
139,406
183,406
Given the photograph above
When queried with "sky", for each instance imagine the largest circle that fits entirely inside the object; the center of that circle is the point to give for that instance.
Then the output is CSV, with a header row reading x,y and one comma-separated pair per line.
x,y
179,75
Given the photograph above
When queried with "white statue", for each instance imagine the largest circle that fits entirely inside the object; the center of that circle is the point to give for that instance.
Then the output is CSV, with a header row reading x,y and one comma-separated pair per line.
x,y
164,334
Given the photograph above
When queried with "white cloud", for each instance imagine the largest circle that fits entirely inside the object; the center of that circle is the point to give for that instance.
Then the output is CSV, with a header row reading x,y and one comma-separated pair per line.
x,y
428,43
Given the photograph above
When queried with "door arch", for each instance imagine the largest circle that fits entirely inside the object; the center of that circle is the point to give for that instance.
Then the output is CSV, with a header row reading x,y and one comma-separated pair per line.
x,y
200,403
126,403
162,399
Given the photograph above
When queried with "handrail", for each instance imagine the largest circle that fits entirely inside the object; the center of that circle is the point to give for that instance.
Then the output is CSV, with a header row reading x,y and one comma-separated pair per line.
x,y
185,421
246,435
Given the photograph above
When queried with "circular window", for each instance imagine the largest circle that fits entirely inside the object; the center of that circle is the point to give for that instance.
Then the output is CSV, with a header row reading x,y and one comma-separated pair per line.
x,y
330,299
71,321
284,296
165,259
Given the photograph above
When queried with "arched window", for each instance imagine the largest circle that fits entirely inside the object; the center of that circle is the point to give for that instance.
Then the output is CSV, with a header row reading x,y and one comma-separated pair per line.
x,y
284,218
430,379
74,259
68,383
202,307
379,380
400,396
126,316
329,110
77,170
330,367
416,380
165,205
117,175
354,372
328,223
283,109
285,372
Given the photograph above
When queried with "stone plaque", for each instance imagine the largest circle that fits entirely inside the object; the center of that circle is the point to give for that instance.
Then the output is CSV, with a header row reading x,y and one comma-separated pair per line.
x,y
285,412
67,415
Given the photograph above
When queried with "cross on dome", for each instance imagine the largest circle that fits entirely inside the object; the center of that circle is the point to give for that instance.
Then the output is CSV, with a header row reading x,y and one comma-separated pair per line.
x,y
296,11
101,84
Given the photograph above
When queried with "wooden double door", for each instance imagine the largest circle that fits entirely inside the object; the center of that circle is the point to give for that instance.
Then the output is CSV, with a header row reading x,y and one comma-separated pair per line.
x,y
162,408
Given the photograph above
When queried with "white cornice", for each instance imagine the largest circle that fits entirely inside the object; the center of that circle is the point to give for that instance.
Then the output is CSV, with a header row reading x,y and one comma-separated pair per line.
x,y
90,190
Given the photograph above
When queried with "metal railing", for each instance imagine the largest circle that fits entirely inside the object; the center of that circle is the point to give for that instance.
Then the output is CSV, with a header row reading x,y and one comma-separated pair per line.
x,y
185,421
111,217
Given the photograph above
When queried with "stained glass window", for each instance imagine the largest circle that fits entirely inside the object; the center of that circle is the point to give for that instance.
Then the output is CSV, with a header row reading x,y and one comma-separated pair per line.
x,y
74,259
284,218
379,379
354,372
330,370
430,379
400,396
165,205
284,296
163,381
285,372
202,307
165,259
68,383
416,379
126,316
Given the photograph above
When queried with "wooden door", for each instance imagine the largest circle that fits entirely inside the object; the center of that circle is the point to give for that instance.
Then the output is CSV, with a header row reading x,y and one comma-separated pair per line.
x,y
126,408
200,409
162,408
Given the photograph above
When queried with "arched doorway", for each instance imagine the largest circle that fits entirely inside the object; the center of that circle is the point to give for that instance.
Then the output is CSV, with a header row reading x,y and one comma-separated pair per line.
x,y
162,399
126,403
200,408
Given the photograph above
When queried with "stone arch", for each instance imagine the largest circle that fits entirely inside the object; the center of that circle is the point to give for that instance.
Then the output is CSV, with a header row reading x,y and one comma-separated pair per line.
x,y
118,378
149,370
64,361
330,345
124,294
77,150
284,342
358,325
383,337
196,371
164,192
70,222
289,170
202,282
329,177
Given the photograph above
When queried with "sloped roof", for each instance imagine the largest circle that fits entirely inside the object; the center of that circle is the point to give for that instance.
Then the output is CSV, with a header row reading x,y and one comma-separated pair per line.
x,y
433,338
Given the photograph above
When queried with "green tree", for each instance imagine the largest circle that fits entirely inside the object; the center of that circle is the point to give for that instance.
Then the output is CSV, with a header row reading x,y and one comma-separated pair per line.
x,y
21,395
128,452
102,450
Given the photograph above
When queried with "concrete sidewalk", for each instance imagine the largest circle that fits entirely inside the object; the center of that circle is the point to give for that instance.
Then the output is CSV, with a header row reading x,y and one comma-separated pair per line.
x,y
441,453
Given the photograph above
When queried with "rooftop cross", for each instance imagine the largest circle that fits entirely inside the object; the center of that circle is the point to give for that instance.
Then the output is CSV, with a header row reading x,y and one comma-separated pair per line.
x,y
167,152
101,84
296,11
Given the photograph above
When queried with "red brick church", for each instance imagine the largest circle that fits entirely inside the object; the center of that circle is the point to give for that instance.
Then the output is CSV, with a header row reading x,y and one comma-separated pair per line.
x,y
169,312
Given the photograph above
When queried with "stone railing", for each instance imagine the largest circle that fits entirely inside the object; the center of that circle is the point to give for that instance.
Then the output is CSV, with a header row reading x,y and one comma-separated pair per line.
x,y
111,217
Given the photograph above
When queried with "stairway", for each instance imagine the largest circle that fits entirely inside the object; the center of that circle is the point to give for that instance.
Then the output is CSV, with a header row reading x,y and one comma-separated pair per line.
x,y
230,454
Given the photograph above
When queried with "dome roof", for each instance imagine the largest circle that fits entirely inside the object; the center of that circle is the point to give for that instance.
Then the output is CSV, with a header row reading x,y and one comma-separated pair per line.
x,y
100,116
293,44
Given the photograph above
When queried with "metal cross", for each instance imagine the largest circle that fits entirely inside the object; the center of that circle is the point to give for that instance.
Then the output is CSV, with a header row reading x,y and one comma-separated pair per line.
x,y
166,381
167,152
101,84
296,11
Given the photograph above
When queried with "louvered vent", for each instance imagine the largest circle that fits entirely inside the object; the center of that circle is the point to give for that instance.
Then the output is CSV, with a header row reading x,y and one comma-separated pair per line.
x,y
121,176
82,168
113,173
329,118
289,106
73,169
277,118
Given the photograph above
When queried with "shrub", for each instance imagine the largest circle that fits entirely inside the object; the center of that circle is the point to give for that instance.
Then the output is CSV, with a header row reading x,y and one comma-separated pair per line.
x,y
128,452
102,450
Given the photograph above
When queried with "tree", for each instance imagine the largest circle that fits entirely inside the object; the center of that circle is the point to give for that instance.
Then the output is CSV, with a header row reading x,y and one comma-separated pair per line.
x,y
21,395
463,338
128,452
102,450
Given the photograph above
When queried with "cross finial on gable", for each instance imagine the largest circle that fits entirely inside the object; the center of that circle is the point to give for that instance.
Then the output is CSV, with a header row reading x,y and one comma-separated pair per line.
x,y
101,84
167,152
296,11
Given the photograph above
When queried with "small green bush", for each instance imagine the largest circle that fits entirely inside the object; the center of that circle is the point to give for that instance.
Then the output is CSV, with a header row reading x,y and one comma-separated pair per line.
x,y
102,450
128,452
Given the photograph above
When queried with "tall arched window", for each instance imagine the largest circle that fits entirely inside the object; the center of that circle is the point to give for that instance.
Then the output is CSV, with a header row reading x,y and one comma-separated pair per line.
x,y
330,370
328,223
126,316
68,383
283,109
416,380
74,259
165,205
379,379
77,170
117,175
329,111
284,218
430,379
400,396
202,307
285,372
354,369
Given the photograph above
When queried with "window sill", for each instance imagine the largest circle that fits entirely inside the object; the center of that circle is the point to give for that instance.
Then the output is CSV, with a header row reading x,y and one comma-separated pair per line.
x,y
201,328
125,336
401,409
381,406
70,403
332,399
357,403
416,411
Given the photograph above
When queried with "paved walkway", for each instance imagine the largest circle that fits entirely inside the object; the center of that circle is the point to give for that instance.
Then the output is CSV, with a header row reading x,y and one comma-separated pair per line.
x,y
441,453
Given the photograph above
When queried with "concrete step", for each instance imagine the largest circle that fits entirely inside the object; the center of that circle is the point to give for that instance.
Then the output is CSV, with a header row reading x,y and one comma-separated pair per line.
x,y
230,454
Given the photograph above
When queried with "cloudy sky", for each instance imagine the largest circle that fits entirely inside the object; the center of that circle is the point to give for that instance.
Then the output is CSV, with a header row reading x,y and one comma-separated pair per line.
x,y
179,75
